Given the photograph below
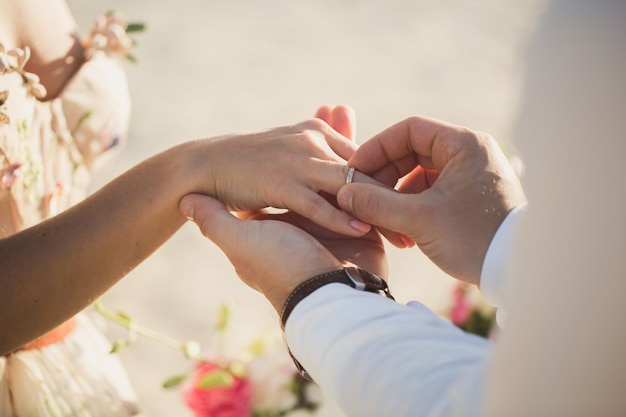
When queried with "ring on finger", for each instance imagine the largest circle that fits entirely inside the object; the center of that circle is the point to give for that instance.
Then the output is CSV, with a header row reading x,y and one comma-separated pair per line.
x,y
350,175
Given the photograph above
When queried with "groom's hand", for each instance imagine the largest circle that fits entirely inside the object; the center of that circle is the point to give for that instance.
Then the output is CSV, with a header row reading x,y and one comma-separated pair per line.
x,y
274,253
270,256
457,187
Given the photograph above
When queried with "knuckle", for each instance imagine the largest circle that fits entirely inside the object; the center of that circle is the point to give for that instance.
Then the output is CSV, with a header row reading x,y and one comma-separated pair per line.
x,y
413,120
315,205
473,137
305,136
313,124
333,216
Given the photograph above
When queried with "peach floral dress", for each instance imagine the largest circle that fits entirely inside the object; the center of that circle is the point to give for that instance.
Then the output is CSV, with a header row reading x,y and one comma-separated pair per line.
x,y
48,150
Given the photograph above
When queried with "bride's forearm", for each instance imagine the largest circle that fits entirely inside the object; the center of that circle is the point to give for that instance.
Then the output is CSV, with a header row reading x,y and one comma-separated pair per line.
x,y
53,270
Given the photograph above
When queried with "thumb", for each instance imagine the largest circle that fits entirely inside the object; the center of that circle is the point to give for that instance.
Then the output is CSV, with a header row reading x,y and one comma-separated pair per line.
x,y
211,216
380,206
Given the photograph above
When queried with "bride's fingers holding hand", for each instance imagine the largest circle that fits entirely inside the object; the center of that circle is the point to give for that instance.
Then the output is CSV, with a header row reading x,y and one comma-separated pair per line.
x,y
286,168
418,180
310,204
342,118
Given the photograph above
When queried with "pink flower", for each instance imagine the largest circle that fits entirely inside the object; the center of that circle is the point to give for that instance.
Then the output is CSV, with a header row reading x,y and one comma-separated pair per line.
x,y
9,175
462,305
214,391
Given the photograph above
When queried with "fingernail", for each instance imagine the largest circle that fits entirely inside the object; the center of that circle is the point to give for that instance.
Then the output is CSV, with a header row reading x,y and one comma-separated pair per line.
x,y
344,199
186,209
360,226
408,242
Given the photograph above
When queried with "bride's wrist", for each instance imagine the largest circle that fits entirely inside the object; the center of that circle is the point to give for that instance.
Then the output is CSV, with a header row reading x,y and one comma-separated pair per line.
x,y
194,163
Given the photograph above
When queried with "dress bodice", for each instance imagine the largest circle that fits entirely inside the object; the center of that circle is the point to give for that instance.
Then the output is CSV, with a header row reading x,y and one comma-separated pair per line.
x,y
49,149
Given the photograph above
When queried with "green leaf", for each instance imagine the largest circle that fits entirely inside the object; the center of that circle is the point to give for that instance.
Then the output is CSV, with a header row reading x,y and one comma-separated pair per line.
x,y
237,369
480,323
135,27
118,345
131,58
216,379
222,318
174,381
258,347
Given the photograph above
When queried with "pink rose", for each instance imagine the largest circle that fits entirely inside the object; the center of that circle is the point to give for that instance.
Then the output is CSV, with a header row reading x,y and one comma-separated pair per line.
x,y
462,305
214,391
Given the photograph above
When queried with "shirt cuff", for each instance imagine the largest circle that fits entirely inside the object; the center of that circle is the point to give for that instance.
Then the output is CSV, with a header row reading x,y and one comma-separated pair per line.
x,y
493,277
376,357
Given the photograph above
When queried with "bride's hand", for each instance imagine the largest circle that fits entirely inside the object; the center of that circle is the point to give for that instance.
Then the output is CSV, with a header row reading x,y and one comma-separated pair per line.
x,y
285,167
275,253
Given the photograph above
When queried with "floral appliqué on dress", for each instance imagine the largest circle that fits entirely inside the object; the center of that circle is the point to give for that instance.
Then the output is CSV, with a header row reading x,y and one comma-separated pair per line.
x,y
48,152
49,149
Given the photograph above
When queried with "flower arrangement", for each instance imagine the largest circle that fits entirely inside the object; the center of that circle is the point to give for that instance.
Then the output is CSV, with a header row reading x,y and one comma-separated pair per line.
x,y
469,312
111,34
261,381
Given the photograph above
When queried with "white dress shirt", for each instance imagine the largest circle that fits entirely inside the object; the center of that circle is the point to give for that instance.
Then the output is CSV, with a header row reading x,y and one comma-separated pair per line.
x,y
350,341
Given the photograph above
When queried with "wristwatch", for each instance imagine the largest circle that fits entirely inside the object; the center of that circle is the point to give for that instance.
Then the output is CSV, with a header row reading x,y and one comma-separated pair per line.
x,y
358,279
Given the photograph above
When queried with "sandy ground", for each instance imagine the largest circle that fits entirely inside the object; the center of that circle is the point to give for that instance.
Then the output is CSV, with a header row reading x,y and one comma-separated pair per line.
x,y
206,68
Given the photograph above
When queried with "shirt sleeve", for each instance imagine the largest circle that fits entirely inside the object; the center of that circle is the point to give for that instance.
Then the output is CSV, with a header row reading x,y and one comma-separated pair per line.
x,y
494,274
376,357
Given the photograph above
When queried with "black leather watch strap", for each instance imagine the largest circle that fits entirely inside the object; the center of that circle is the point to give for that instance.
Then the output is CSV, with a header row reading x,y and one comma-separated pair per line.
x,y
359,279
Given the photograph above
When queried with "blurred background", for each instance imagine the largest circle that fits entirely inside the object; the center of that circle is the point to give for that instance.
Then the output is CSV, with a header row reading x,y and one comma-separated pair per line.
x,y
205,68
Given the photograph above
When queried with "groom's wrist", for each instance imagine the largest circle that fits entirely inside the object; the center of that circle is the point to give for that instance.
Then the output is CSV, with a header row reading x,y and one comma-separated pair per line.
x,y
278,289
358,279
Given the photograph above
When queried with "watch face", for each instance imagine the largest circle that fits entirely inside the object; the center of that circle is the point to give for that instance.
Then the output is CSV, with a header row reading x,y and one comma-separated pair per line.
x,y
366,281
355,276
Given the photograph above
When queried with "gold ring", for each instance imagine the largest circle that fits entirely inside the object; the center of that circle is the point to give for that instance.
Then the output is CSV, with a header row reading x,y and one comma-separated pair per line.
x,y
350,175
